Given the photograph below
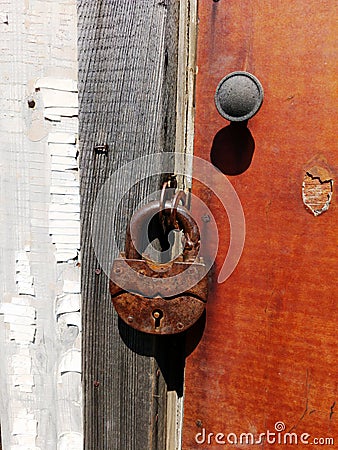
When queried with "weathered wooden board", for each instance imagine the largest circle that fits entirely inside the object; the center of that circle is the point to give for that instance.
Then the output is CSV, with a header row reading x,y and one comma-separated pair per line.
x,y
269,349
127,88
40,333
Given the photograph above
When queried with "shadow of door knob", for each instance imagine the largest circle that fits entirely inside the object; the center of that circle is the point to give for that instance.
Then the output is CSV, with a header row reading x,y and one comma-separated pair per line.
x,y
238,97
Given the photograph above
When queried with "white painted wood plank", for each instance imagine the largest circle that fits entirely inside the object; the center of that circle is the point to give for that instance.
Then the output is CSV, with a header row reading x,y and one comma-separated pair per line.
x,y
65,199
59,99
68,303
61,138
39,410
59,84
57,189
64,215
62,149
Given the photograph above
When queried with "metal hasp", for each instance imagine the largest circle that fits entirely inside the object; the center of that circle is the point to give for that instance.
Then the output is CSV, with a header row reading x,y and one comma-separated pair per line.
x,y
160,298
238,97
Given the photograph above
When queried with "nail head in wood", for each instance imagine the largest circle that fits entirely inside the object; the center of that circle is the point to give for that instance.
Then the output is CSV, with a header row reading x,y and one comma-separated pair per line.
x,y
101,149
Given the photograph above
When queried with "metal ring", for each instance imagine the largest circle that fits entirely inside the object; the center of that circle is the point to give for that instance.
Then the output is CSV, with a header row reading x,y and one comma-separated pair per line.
x,y
140,221
162,200
180,195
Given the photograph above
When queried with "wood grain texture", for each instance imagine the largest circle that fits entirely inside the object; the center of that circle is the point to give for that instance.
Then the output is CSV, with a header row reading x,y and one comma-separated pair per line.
x,y
269,348
127,88
39,405
186,90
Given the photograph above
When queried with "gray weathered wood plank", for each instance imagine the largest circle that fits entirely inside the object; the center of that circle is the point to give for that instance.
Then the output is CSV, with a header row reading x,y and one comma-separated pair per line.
x,y
127,89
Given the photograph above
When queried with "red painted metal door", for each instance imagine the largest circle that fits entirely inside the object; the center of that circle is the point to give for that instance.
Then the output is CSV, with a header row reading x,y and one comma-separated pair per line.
x,y
267,360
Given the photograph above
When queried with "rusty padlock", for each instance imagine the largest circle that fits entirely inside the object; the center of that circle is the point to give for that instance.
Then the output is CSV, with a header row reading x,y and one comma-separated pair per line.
x,y
160,298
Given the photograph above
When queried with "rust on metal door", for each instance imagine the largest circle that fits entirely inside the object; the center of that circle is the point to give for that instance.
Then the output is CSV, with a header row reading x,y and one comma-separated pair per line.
x,y
267,360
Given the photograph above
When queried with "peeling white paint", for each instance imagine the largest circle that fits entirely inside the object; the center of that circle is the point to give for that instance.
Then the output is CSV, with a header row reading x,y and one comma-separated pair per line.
x,y
71,362
25,430
18,320
23,278
68,303
66,239
64,218
19,311
67,213
39,201
56,114
19,315
21,362
24,334
60,84
57,189
62,150
24,382
70,441
67,161
62,199
73,319
71,287
64,224
25,446
25,425
61,138
59,99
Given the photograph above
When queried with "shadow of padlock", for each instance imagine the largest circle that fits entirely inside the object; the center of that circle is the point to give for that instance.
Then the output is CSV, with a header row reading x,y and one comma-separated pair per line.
x,y
160,298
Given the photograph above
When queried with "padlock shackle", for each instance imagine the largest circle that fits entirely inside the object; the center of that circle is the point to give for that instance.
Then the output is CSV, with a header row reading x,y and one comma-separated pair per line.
x,y
144,215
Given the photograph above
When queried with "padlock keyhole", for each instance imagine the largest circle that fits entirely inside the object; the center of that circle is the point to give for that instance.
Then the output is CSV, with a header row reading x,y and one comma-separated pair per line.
x,y
158,316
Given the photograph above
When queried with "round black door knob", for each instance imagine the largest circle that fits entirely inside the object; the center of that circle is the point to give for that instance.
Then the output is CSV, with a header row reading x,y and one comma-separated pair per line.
x,y
239,95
